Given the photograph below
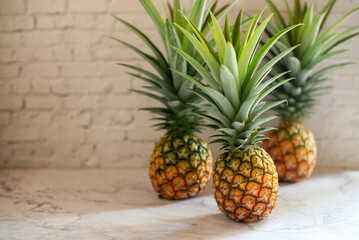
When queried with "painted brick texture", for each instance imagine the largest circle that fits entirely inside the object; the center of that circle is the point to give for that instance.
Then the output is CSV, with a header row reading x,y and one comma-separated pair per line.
x,y
65,103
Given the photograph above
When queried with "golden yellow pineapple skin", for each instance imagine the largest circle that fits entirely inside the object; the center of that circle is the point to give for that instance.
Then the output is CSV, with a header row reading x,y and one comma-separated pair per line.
x,y
293,149
245,185
180,167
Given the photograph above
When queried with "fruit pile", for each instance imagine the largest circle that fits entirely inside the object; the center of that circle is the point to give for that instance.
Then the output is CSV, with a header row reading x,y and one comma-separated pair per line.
x,y
222,84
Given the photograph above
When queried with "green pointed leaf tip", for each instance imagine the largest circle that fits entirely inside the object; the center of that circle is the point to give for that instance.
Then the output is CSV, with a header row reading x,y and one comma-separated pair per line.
x,y
166,86
228,107
318,44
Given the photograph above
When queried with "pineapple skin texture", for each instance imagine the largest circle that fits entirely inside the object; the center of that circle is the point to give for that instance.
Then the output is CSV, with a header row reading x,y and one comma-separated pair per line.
x,y
293,149
180,167
245,185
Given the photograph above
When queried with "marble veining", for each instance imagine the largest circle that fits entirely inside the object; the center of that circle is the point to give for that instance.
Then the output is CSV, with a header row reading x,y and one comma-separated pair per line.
x,y
120,204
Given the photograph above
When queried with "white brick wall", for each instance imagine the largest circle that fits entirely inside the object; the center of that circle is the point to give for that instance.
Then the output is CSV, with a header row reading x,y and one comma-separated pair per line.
x,y
64,102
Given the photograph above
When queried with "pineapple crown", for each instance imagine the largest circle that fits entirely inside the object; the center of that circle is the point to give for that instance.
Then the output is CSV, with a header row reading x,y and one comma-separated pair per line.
x,y
317,45
170,88
236,81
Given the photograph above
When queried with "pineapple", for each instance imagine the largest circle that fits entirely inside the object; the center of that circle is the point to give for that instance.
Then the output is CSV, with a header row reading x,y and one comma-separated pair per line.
x,y
245,179
181,163
292,146
180,166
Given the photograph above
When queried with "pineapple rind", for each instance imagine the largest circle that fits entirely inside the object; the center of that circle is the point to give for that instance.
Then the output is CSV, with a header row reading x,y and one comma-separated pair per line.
x,y
245,184
180,166
293,150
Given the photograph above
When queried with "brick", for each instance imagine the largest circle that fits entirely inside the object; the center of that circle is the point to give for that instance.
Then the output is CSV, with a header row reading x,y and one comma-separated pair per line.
x,y
144,133
82,37
40,87
42,102
83,53
26,162
130,7
20,87
65,152
5,88
141,129
85,151
7,23
64,118
24,22
111,118
44,150
64,21
24,151
84,21
44,22
20,135
80,102
90,162
6,152
25,54
105,134
13,39
127,162
80,70
113,70
36,70
87,6
6,55
61,133
91,86
63,53
122,151
9,70
120,102
121,84
34,150
122,118
102,53
102,117
44,54
116,102
61,88
104,22
4,118
121,52
12,6
27,118
46,6
85,119
58,21
11,103
41,39
145,22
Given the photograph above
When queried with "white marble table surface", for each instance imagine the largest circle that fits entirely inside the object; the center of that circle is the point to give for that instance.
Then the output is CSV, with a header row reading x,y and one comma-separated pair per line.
x,y
120,204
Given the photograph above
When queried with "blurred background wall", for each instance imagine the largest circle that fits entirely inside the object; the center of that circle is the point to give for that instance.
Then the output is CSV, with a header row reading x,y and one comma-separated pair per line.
x,y
65,103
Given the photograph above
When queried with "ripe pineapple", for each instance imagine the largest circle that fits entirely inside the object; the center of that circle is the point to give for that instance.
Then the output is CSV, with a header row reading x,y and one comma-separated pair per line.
x,y
293,147
245,180
181,163
180,166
